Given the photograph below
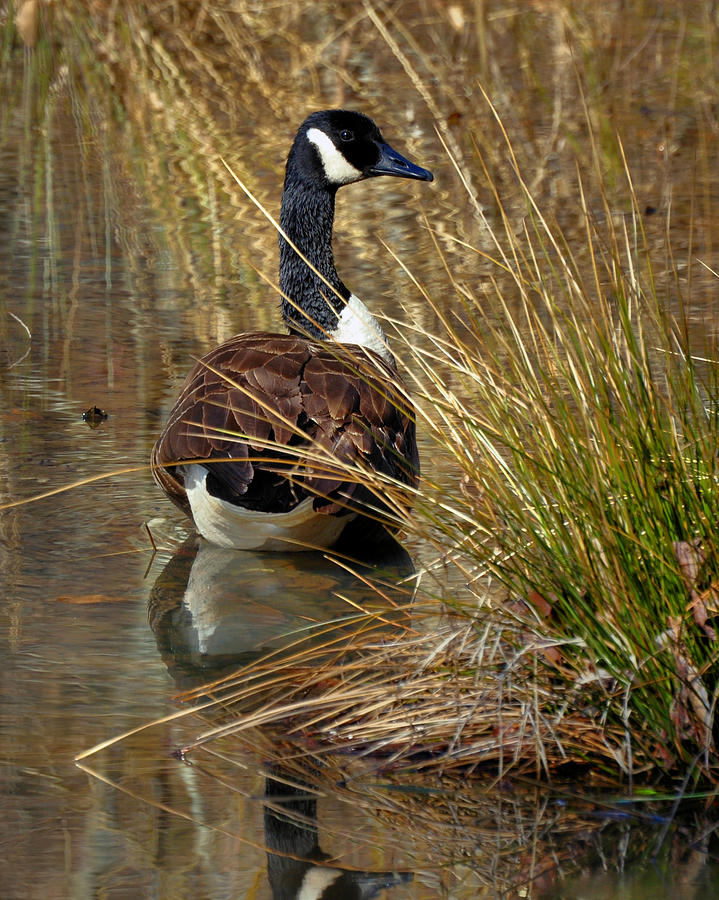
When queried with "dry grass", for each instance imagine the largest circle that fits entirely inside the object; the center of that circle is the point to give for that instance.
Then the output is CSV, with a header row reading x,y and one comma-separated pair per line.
x,y
443,698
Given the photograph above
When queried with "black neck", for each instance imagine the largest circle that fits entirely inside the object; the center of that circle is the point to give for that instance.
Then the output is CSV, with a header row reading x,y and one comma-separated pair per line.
x,y
306,218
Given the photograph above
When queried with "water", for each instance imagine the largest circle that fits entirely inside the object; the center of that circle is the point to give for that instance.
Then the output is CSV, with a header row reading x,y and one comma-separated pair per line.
x,y
99,632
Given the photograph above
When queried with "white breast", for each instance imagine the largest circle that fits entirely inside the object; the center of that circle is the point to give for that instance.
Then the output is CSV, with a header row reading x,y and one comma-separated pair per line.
x,y
227,525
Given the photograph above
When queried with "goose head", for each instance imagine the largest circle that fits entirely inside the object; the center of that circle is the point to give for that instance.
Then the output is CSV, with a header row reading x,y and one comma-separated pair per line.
x,y
332,148
337,146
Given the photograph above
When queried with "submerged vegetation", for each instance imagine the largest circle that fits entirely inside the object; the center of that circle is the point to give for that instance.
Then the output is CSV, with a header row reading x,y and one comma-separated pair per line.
x,y
565,372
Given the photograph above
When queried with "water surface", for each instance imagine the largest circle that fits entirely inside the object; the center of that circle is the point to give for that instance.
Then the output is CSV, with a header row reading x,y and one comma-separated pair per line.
x,y
104,302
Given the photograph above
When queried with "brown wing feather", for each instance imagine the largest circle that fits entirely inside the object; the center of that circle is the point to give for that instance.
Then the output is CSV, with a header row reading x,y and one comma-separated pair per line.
x,y
304,398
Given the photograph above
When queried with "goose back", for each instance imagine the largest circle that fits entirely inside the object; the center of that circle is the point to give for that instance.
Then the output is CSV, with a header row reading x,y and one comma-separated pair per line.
x,y
298,419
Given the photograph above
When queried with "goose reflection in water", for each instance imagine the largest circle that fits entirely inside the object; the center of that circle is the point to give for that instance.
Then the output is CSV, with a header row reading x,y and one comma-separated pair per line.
x,y
212,609
298,869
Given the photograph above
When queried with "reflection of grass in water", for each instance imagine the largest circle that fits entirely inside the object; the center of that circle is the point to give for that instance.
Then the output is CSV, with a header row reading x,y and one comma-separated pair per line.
x,y
583,430
472,834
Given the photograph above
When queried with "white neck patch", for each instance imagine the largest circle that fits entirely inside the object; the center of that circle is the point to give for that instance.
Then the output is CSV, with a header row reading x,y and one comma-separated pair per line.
x,y
337,169
357,325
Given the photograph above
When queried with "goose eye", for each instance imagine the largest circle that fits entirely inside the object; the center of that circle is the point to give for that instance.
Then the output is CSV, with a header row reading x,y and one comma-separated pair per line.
x,y
346,135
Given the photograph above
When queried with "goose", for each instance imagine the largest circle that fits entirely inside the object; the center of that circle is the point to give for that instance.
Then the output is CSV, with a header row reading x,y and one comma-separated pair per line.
x,y
259,448
297,867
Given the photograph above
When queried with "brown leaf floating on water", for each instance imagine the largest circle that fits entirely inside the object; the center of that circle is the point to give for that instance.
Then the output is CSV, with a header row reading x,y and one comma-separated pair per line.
x,y
88,599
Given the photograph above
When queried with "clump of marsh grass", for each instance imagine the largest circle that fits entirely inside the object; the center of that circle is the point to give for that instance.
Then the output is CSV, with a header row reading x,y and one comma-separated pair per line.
x,y
584,425
583,428
413,703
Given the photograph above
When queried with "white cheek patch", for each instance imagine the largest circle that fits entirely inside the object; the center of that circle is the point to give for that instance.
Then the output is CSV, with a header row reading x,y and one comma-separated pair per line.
x,y
337,169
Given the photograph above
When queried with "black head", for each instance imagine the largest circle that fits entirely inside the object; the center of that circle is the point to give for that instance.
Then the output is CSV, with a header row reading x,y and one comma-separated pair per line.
x,y
337,146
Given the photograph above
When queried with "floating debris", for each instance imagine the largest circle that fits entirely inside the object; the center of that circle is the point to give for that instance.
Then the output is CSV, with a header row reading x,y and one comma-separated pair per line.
x,y
94,416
